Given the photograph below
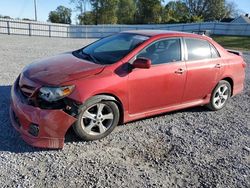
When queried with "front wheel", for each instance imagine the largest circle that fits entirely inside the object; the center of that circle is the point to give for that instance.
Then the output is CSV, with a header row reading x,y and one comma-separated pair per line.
x,y
97,120
220,96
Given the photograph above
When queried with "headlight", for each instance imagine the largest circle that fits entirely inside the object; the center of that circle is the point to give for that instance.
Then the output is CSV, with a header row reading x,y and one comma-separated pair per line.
x,y
51,94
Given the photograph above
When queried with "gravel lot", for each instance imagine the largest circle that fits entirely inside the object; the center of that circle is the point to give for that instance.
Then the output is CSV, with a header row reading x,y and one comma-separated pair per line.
x,y
188,148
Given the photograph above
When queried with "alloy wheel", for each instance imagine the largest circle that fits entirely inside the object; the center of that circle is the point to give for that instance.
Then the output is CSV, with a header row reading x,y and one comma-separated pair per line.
x,y
220,96
97,119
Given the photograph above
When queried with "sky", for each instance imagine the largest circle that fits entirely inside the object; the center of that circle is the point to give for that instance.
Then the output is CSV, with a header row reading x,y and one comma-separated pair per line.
x,y
25,8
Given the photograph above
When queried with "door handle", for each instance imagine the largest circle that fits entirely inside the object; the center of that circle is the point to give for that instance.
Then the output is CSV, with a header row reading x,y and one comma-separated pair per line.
x,y
218,66
180,71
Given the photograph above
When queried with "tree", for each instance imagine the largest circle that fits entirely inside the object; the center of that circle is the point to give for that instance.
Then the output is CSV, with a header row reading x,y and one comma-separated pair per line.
x,y
105,11
60,15
27,19
152,11
6,17
210,10
216,10
148,11
87,18
175,12
231,10
126,11
80,5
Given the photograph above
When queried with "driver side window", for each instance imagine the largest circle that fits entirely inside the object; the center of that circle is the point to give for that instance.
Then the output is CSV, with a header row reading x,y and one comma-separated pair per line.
x,y
162,51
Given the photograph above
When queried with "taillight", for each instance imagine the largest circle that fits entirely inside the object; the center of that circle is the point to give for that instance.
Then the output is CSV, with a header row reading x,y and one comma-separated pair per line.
x,y
244,64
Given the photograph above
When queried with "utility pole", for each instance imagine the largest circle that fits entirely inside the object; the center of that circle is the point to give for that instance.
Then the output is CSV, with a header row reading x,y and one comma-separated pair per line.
x,y
85,19
35,10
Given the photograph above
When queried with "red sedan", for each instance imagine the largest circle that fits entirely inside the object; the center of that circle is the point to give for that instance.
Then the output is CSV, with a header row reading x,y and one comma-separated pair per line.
x,y
117,79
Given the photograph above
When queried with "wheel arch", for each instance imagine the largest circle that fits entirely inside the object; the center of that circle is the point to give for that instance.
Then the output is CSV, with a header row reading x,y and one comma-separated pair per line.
x,y
109,97
231,82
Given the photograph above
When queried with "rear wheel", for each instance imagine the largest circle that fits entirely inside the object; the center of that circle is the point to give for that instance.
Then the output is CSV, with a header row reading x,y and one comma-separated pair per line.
x,y
220,96
97,120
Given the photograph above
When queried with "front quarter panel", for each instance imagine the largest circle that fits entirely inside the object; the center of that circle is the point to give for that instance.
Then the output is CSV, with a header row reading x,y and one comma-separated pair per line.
x,y
111,81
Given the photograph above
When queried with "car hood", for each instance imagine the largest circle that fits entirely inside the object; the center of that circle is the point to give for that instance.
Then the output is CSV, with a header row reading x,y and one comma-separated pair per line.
x,y
60,69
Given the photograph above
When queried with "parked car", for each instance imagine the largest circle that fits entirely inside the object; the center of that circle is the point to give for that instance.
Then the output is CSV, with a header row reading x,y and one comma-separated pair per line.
x,y
120,78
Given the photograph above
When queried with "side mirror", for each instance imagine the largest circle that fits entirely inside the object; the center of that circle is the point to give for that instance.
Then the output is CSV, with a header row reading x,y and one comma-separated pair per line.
x,y
142,63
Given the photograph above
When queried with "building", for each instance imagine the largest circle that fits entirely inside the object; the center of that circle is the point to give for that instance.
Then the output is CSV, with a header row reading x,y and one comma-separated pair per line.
x,y
242,19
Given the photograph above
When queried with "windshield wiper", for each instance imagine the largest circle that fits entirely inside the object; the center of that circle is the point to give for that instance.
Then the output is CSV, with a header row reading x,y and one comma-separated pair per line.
x,y
91,57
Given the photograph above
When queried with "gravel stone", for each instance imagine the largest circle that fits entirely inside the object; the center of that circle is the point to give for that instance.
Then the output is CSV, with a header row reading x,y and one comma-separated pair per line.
x,y
188,148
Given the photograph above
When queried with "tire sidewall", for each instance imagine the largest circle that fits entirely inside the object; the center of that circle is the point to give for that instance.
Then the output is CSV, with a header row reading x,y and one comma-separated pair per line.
x,y
78,126
211,104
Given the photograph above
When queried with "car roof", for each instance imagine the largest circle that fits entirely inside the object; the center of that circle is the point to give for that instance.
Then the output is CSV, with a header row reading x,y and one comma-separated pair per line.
x,y
152,33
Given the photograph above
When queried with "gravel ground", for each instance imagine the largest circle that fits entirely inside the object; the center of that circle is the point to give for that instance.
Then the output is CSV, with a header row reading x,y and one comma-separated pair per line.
x,y
187,148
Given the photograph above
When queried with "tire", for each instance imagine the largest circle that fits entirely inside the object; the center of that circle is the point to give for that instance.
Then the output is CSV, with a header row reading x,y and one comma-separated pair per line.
x,y
96,120
220,96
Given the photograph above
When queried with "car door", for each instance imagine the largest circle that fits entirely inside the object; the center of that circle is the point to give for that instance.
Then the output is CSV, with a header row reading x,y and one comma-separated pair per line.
x,y
203,69
161,85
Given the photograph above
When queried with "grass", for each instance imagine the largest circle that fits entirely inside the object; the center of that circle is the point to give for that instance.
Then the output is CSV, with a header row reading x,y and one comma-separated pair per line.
x,y
233,42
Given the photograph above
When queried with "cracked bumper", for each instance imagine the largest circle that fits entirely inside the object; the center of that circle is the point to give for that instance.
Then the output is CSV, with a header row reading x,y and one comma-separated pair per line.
x,y
52,124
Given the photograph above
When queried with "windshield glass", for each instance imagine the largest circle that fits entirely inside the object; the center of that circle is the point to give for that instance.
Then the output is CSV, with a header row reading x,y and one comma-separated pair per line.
x,y
111,49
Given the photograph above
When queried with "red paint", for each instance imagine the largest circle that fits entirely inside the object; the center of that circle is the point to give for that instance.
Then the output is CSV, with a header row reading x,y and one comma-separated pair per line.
x,y
142,63
53,124
60,69
143,91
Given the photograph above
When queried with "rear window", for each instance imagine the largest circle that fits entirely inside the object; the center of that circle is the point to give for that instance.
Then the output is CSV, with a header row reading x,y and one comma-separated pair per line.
x,y
198,49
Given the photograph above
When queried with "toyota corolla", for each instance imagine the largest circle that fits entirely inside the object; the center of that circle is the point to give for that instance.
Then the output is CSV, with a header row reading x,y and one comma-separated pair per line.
x,y
120,78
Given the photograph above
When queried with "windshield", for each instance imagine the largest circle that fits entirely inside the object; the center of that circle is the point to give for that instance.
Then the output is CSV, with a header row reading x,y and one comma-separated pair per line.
x,y
111,49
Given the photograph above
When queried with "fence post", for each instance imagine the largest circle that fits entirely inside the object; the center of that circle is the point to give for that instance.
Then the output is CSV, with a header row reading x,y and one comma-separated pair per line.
x,y
214,28
86,34
8,27
49,30
102,29
67,31
29,29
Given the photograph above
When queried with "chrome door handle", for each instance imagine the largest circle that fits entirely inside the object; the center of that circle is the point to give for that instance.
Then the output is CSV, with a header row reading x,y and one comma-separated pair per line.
x,y
180,71
218,66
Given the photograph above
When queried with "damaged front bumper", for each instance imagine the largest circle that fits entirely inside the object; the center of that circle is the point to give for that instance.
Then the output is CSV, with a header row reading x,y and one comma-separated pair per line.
x,y
43,128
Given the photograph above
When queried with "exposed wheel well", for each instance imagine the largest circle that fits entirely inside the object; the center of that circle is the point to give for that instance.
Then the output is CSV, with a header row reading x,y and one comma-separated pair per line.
x,y
230,80
117,101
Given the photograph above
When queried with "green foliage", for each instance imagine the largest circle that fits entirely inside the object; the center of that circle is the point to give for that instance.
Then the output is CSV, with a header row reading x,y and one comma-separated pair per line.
x,y
87,18
153,11
210,10
174,12
27,19
126,12
60,15
193,19
105,11
148,11
6,17
233,42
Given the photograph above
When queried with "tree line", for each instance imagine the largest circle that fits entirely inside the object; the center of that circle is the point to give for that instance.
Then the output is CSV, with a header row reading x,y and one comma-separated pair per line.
x,y
145,11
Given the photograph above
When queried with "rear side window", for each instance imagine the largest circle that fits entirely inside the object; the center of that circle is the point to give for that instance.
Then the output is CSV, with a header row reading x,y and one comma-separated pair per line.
x,y
198,49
